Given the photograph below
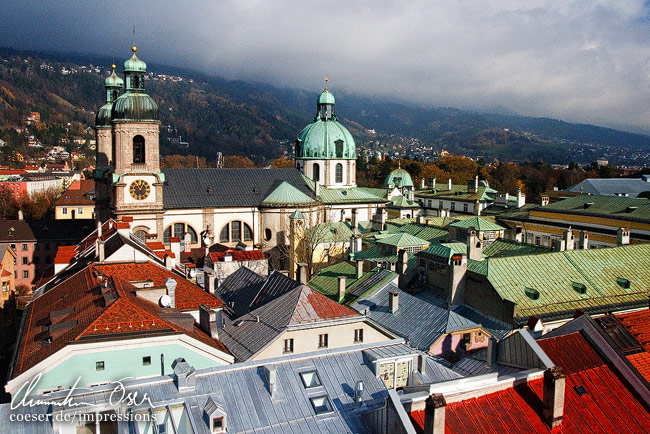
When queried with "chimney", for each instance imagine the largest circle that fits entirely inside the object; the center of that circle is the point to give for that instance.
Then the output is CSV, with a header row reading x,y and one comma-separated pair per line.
x,y
358,392
379,220
474,245
422,363
169,262
185,374
175,246
342,280
423,184
449,184
457,279
187,241
271,378
355,219
584,240
227,257
553,396
521,199
317,189
210,320
359,268
402,261
99,229
302,273
21,216
101,252
393,301
432,184
434,414
170,283
491,352
569,239
545,200
622,236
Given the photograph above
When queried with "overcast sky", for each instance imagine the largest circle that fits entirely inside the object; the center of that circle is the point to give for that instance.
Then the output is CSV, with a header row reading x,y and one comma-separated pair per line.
x,y
576,60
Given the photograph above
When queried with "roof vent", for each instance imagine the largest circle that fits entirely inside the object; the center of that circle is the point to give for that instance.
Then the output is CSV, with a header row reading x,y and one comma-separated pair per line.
x,y
209,191
630,209
256,190
580,390
532,293
344,193
623,282
580,288
587,205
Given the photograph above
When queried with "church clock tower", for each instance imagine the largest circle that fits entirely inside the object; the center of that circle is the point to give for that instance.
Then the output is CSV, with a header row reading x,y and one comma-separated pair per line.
x,y
134,177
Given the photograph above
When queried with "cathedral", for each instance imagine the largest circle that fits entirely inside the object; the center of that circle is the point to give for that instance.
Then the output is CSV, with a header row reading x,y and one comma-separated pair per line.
x,y
202,207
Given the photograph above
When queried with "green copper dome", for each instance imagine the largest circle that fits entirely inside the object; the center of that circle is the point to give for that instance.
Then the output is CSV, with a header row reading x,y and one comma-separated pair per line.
x,y
103,117
114,80
134,64
398,178
325,138
134,107
326,98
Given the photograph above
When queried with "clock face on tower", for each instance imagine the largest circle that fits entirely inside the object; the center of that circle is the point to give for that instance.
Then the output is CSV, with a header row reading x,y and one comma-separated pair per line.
x,y
139,189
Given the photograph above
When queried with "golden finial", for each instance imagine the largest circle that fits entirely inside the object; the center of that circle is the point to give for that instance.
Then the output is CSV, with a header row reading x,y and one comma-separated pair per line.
x,y
134,48
113,66
326,80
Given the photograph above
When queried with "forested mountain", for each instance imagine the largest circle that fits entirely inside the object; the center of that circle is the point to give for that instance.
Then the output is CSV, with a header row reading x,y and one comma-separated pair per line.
x,y
211,114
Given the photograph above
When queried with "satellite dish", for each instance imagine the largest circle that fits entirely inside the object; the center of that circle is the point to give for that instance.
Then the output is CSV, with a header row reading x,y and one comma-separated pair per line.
x,y
165,301
192,273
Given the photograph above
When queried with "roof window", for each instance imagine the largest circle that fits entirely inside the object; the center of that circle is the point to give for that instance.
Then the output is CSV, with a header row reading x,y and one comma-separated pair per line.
x,y
623,282
580,288
321,404
310,379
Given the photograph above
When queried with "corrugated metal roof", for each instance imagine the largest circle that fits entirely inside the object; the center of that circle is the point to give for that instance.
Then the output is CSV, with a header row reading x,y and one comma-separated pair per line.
x,y
478,223
619,208
326,281
286,194
611,186
502,247
443,250
403,240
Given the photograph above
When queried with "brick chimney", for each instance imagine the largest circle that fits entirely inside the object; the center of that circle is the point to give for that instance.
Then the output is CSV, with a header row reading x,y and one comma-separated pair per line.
x,y
457,278
449,184
434,414
175,246
545,200
584,240
474,245
341,293
569,239
622,236
432,183
302,273
553,396
359,268
355,219
393,301
210,320
423,184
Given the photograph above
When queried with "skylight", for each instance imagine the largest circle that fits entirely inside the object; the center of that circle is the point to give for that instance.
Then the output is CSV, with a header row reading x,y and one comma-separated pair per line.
x,y
321,404
310,379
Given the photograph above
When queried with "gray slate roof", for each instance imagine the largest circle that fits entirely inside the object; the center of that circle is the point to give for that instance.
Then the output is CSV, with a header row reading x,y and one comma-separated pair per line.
x,y
423,318
201,188
612,186
241,390
245,290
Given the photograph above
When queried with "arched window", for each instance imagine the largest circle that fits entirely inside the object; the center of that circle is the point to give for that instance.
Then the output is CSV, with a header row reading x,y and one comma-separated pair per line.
x,y
114,95
141,233
268,234
339,148
179,230
235,231
136,81
339,172
138,149
316,170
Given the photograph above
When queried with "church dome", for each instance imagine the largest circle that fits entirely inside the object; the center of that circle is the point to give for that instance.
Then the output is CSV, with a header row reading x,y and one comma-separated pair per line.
x,y
398,178
134,64
114,80
325,140
103,118
135,107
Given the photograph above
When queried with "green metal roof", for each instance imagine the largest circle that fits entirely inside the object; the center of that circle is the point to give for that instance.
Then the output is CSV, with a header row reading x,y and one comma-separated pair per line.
x,y
398,178
326,281
331,196
623,208
331,232
379,192
286,195
403,240
501,247
459,192
579,279
135,106
478,223
134,64
403,202
103,117
326,97
444,250
114,80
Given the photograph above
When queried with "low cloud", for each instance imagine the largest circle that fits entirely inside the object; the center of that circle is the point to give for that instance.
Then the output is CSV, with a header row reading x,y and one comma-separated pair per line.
x,y
584,61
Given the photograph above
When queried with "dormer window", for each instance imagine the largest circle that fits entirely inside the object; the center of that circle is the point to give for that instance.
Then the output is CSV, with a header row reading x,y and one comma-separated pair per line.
x,y
310,379
216,415
218,424
321,404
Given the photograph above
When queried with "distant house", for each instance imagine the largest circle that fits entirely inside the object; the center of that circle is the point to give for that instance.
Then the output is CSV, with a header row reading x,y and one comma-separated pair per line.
x,y
622,187
7,273
77,202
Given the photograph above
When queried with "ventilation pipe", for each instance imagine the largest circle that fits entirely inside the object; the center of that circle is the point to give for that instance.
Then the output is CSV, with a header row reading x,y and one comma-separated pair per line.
x,y
170,283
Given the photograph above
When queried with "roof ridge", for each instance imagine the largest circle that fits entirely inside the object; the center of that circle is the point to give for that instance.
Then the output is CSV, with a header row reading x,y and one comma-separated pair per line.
x,y
582,273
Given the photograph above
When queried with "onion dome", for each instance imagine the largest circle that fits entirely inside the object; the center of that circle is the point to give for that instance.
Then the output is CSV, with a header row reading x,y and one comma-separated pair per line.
x,y
325,138
114,80
398,178
103,117
134,64
134,107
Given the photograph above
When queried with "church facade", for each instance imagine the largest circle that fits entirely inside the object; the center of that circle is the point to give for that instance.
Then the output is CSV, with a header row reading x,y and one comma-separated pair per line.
x,y
226,206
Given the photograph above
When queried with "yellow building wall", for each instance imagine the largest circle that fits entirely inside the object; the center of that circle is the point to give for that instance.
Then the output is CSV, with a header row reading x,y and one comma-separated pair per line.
x,y
306,340
8,283
612,223
88,212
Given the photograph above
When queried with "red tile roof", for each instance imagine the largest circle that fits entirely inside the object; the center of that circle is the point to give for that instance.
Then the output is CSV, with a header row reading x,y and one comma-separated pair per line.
x,y
607,406
638,324
188,295
75,193
79,302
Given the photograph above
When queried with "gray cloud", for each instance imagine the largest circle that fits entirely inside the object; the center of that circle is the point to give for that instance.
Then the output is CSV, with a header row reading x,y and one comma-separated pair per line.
x,y
577,60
